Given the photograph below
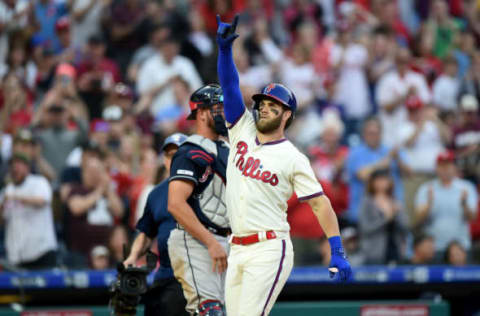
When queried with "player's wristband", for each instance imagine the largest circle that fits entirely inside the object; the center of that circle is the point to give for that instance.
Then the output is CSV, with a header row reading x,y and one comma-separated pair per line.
x,y
336,245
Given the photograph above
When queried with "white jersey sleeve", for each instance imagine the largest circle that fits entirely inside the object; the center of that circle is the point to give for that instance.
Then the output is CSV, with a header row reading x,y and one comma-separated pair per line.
x,y
244,126
305,184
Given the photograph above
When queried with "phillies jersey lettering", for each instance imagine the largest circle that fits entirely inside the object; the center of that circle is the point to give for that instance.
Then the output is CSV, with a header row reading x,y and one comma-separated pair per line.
x,y
252,167
261,179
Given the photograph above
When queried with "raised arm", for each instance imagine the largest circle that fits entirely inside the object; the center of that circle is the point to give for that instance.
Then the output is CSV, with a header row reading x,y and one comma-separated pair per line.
x,y
227,73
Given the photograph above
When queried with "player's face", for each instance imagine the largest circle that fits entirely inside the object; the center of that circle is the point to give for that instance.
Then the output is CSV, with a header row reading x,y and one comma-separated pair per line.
x,y
215,110
270,116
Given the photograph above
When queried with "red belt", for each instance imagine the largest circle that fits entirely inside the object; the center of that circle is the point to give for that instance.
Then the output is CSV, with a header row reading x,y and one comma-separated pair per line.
x,y
252,239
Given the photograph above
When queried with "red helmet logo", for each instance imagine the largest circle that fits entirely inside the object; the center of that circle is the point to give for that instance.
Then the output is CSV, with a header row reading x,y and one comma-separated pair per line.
x,y
269,88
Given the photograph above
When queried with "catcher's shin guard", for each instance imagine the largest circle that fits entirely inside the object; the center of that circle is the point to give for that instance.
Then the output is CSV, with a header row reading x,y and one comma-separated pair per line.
x,y
210,308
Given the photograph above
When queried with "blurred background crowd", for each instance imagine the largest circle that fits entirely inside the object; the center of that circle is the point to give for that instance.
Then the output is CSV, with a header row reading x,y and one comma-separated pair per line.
x,y
388,94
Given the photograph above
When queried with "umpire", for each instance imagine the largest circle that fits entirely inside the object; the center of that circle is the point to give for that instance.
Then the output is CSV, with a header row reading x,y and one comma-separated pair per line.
x,y
165,297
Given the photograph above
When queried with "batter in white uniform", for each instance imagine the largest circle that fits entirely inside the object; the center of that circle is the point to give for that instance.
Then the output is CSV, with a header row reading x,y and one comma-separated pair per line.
x,y
263,171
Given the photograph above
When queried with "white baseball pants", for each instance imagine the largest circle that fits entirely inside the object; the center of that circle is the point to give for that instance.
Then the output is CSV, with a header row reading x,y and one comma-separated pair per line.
x,y
256,275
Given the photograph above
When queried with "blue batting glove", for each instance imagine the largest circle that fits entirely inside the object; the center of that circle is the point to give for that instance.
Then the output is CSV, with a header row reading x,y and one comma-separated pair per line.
x,y
338,262
226,32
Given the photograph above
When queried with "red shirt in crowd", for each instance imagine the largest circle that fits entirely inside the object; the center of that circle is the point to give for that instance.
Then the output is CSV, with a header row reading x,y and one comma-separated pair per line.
x,y
303,223
20,117
331,179
302,220
104,66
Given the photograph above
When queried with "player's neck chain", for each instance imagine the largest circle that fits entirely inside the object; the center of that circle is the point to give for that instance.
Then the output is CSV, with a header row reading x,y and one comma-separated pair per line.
x,y
251,167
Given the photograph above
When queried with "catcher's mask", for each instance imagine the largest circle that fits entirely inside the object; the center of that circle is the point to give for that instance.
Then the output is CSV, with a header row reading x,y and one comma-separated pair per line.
x,y
206,97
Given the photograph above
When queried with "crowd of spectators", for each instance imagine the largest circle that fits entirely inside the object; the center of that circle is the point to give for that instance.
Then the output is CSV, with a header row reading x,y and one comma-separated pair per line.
x,y
388,95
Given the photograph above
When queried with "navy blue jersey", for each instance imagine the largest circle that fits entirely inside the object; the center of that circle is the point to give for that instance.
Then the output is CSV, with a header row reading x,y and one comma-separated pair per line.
x,y
158,222
195,164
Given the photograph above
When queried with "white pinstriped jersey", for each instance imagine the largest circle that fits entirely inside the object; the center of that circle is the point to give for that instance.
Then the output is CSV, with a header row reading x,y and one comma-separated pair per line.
x,y
262,177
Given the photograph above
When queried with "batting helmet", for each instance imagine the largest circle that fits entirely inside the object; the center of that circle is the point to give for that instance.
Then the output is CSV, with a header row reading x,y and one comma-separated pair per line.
x,y
278,93
205,97
174,139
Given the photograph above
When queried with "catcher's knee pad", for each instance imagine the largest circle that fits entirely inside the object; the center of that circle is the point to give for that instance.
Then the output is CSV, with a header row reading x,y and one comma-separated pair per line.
x,y
210,308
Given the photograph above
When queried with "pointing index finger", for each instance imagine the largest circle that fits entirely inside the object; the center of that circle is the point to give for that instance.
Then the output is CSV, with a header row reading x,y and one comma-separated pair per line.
x,y
218,20
235,22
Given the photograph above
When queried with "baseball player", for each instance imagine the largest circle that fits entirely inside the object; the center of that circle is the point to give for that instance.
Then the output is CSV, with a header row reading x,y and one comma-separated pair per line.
x,y
196,198
166,296
264,169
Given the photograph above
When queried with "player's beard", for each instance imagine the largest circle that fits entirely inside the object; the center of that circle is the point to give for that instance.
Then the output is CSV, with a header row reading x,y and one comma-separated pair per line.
x,y
268,126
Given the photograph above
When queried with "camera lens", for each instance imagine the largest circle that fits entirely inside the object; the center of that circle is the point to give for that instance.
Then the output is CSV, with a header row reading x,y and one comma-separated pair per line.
x,y
133,283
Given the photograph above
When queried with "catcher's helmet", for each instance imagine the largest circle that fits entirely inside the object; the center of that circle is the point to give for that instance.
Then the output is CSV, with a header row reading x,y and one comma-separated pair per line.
x,y
205,97
280,94
174,139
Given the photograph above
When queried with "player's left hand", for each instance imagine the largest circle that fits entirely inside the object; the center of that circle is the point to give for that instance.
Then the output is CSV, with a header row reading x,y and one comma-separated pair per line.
x,y
226,32
219,257
338,262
